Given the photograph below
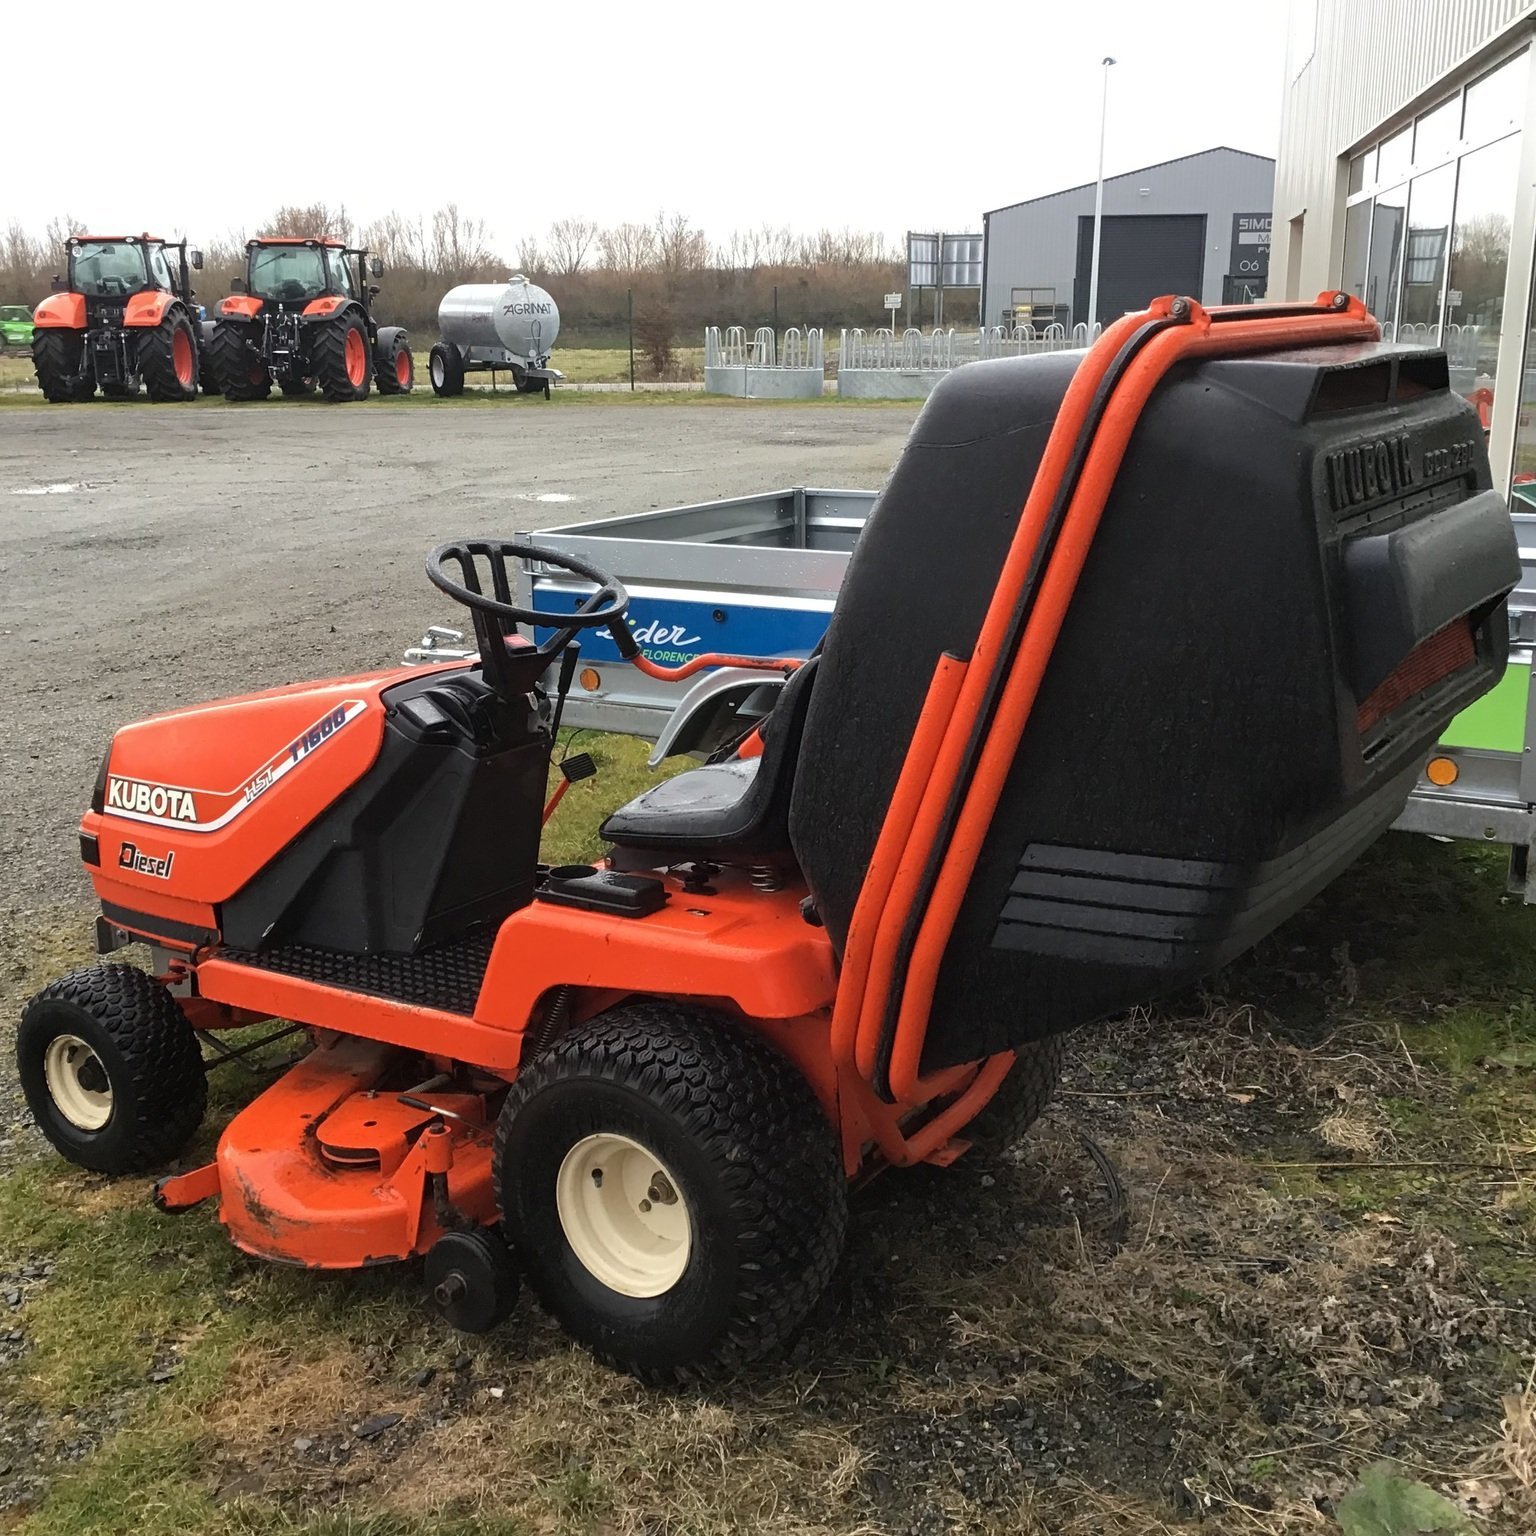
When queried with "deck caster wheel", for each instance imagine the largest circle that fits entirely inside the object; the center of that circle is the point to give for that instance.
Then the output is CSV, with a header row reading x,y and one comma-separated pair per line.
x,y
470,1280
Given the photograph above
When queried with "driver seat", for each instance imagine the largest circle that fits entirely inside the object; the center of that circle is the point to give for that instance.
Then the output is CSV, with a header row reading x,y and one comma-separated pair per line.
x,y
737,808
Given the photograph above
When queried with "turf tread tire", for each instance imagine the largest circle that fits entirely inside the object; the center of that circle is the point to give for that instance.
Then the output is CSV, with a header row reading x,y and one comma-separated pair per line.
x,y
234,363
328,353
158,1078
56,362
1026,1091
770,1147
157,365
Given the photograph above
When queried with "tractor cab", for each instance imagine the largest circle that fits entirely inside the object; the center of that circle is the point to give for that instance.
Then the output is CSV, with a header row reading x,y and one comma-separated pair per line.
x,y
289,273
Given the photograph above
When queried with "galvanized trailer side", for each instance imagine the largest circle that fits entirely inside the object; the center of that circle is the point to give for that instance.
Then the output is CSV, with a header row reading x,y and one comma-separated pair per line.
x,y
752,575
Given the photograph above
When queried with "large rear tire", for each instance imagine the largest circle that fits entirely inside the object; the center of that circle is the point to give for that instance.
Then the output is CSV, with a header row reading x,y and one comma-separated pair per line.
x,y
445,370
672,1188
56,356
168,359
341,357
111,1069
236,365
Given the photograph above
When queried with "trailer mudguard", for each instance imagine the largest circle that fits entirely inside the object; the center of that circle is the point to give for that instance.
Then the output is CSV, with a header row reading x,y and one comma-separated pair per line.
x,y
148,309
61,311
1199,749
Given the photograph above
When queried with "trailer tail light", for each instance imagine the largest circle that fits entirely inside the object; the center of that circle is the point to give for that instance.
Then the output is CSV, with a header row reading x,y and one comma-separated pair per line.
x,y
1446,651
1442,772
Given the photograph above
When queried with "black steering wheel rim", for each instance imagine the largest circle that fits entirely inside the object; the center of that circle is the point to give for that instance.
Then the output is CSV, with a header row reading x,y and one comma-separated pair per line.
x,y
496,551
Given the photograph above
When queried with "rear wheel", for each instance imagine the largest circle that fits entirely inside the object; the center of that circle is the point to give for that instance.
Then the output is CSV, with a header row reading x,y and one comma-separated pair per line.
x,y
394,369
672,1188
111,1069
207,379
445,368
340,353
236,363
168,359
1024,1095
57,355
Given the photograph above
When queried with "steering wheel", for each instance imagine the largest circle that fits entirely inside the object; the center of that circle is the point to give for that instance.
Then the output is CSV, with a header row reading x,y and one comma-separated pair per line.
x,y
495,614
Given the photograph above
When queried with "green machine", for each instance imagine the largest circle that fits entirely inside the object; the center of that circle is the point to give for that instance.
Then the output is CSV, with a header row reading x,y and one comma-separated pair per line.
x,y
1480,783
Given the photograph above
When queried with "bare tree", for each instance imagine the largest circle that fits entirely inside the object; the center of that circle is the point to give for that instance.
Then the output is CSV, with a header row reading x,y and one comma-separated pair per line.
x,y
679,246
316,220
458,246
568,243
628,247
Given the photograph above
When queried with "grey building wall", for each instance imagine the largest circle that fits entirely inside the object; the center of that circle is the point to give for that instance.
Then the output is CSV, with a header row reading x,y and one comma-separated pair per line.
x,y
1034,244
1355,69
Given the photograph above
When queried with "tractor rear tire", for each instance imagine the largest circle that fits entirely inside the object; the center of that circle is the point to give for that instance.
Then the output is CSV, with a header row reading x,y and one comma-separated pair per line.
x,y
445,370
168,359
341,357
207,379
394,369
241,373
1021,1100
56,356
722,1214
111,1069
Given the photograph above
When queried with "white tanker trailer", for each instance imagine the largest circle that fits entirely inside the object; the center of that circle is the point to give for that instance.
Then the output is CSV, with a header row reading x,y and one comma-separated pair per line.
x,y
505,327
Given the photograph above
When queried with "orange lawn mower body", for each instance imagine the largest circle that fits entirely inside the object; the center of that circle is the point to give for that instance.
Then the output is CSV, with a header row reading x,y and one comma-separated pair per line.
x,y
302,318
122,318
648,1083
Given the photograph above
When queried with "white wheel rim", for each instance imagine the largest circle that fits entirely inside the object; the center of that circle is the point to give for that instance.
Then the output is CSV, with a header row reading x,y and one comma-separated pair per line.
x,y
624,1215
86,1107
439,373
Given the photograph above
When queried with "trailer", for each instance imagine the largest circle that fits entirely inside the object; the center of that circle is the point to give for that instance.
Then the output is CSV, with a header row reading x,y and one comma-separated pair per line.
x,y
758,575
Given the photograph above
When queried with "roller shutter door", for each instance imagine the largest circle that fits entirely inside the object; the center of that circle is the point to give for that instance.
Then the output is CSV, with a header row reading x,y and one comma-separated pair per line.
x,y
1142,256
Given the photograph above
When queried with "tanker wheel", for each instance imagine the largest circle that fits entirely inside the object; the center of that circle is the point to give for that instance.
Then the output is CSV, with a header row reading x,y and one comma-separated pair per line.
x,y
111,1069
168,359
1021,1100
445,368
394,369
340,355
527,386
56,356
236,365
294,388
672,1188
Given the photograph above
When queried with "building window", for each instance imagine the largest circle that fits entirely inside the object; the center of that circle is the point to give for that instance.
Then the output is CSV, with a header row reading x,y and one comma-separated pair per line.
x,y
1426,225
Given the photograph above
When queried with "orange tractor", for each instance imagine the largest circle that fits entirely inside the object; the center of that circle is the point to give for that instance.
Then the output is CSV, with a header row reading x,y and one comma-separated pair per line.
x,y
976,819
122,318
302,317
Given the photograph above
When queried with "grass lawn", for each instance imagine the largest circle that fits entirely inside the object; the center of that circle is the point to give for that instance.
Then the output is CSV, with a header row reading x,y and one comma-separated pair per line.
x,y
1325,1260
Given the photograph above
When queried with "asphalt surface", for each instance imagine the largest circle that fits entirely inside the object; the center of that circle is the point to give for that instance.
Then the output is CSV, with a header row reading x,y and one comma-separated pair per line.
x,y
206,551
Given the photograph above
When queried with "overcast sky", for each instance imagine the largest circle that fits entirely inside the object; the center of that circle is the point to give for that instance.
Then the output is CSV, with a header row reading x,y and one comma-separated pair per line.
x,y
884,116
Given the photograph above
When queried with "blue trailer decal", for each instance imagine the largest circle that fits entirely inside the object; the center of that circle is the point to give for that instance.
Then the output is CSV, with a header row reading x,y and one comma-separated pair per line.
x,y
672,631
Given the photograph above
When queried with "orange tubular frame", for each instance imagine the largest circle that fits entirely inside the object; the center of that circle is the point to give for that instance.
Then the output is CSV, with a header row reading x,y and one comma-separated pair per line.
x,y
958,696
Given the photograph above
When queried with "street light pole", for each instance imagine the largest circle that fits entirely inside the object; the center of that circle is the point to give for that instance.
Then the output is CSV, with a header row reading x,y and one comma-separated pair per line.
x,y
1098,206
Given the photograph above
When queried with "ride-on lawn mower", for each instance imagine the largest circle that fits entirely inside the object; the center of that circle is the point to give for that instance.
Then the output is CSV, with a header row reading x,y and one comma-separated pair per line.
x,y
303,316
1137,651
122,317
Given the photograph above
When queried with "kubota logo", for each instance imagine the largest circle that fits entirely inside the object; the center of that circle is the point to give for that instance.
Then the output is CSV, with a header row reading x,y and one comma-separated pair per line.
x,y
151,800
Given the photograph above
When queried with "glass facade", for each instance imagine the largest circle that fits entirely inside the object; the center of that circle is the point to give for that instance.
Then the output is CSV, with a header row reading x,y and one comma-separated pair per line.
x,y
1426,229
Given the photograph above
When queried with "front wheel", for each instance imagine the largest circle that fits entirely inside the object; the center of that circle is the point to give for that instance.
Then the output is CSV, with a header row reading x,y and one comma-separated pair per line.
x,y
168,359
340,354
672,1188
111,1069
237,363
1023,1096
394,369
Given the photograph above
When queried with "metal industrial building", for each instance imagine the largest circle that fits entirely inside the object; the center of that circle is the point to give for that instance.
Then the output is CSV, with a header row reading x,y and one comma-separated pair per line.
x,y
1407,174
1197,225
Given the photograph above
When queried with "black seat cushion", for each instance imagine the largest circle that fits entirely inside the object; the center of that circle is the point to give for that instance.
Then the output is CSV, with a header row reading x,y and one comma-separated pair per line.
x,y
740,807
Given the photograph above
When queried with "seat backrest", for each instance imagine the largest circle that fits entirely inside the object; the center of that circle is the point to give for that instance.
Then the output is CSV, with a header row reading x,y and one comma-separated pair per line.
x,y
1210,743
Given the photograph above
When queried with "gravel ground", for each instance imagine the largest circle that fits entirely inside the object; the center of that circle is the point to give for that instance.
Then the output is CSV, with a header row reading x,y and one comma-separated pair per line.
x,y
205,552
